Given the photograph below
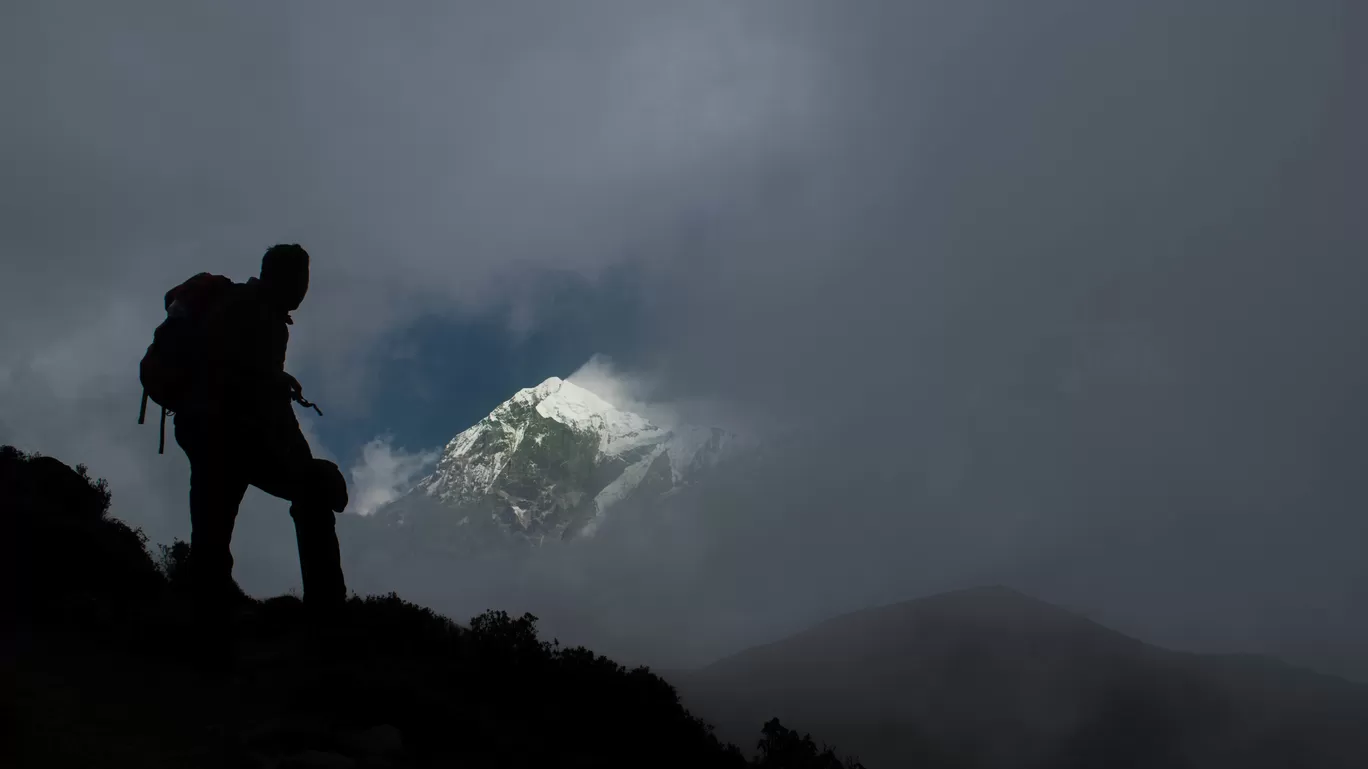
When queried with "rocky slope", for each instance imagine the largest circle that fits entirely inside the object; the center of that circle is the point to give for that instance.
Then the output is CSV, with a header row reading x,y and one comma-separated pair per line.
x,y
552,462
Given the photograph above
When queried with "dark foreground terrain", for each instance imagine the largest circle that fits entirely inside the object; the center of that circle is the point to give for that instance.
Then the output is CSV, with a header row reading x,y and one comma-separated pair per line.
x,y
102,667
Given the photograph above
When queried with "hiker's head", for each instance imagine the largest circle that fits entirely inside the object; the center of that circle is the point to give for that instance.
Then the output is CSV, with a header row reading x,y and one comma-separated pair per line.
x,y
285,275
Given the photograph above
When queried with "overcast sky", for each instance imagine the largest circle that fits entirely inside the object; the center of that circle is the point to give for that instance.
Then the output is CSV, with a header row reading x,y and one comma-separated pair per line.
x,y
1064,294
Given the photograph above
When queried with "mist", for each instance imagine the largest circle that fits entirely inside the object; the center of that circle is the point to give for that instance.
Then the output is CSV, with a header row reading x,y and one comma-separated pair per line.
x,y
1059,295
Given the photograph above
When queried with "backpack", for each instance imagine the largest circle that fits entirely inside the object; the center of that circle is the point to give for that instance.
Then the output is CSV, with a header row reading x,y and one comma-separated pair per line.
x,y
177,354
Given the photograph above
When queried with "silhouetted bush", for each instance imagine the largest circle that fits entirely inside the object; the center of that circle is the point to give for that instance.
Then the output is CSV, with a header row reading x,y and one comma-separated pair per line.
x,y
782,748
65,554
174,563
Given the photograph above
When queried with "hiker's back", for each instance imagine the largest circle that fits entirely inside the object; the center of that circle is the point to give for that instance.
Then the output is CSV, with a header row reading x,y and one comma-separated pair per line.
x,y
219,356
175,366
247,339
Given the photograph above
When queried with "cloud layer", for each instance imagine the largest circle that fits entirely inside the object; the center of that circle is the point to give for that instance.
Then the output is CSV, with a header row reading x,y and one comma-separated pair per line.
x,y
1053,292
384,473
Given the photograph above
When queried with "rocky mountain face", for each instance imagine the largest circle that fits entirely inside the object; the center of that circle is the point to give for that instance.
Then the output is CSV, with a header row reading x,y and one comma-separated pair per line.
x,y
553,462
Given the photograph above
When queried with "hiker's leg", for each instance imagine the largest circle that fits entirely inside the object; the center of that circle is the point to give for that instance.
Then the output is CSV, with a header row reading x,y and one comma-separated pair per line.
x,y
216,490
320,557
214,499
292,473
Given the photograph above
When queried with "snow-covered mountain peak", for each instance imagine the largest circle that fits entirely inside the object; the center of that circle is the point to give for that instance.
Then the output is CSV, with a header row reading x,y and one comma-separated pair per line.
x,y
553,459
534,395
583,411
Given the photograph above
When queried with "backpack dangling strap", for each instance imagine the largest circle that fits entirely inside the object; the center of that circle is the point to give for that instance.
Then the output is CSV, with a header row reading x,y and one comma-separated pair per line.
x,y
307,404
142,411
161,442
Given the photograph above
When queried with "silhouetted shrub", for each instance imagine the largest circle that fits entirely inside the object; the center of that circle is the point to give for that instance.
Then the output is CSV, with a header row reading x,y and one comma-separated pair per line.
x,y
782,748
70,558
100,486
174,563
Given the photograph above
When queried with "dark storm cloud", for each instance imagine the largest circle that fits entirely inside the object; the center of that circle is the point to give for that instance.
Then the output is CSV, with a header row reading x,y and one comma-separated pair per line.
x,y
423,154
1076,288
1067,292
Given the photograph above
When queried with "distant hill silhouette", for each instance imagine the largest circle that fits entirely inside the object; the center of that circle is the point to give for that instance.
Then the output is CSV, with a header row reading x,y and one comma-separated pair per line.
x,y
101,669
992,678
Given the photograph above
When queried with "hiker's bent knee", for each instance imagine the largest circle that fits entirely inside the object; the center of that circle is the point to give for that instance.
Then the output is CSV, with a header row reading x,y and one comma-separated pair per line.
x,y
325,488
312,517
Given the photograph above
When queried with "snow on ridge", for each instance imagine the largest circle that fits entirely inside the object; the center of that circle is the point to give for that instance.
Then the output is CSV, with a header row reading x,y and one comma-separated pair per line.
x,y
462,443
461,476
501,458
618,490
531,395
580,409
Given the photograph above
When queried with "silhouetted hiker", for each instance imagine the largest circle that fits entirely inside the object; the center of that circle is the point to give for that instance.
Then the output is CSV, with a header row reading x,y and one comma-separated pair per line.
x,y
218,363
